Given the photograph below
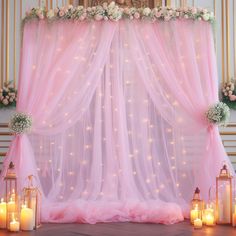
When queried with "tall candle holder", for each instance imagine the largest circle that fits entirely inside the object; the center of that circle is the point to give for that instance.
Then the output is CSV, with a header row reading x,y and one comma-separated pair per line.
x,y
31,197
224,199
11,195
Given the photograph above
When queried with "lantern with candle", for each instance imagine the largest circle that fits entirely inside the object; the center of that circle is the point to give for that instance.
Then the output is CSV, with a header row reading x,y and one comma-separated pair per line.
x,y
224,197
197,206
30,212
11,195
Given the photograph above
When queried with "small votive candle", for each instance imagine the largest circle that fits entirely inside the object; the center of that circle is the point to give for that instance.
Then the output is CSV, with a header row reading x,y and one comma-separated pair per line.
x,y
14,226
197,224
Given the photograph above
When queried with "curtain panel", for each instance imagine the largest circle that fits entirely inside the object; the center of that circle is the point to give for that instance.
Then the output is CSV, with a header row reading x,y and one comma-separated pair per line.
x,y
119,131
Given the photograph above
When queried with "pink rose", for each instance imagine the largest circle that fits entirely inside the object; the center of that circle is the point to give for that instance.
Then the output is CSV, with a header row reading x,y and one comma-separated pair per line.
x,y
84,15
167,18
105,18
61,13
5,101
89,9
136,15
11,100
177,13
81,18
98,17
131,17
158,14
41,16
194,10
56,11
232,97
126,11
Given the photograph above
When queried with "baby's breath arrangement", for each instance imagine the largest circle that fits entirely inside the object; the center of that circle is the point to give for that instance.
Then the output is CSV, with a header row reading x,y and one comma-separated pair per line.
x,y
218,114
20,123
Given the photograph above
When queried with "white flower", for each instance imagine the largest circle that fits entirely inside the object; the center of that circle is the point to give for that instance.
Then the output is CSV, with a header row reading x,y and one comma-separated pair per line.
x,y
50,14
146,11
218,114
5,101
206,17
112,4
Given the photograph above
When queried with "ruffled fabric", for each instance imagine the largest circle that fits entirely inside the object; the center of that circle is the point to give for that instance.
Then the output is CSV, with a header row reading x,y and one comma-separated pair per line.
x,y
92,212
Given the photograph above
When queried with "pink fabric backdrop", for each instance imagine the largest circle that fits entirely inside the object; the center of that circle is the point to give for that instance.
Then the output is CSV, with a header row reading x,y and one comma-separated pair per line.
x,y
119,132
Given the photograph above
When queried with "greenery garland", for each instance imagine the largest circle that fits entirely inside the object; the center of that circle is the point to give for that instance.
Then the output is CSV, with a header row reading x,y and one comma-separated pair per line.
x,y
111,11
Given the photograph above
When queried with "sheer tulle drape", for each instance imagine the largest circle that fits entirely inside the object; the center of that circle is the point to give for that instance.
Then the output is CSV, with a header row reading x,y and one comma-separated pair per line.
x,y
119,132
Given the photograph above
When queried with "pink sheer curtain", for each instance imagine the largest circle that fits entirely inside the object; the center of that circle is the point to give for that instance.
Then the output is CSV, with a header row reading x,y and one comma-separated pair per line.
x,y
119,132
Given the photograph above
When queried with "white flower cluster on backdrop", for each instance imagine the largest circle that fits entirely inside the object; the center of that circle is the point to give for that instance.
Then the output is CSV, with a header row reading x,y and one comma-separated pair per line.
x,y
111,11
218,114
20,123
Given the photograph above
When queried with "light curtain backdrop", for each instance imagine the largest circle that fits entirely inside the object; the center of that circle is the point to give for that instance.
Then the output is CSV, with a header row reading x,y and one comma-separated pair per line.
x,y
119,133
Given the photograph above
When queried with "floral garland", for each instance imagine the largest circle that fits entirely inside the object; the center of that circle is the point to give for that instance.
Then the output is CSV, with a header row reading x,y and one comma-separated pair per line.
x,y
20,123
218,114
111,11
8,96
228,90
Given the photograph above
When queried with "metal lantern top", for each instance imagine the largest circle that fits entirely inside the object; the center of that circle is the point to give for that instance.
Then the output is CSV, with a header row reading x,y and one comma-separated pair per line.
x,y
11,174
196,195
224,173
197,202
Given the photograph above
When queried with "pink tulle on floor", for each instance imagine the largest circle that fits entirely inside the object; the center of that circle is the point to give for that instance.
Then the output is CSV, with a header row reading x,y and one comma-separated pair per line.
x,y
81,211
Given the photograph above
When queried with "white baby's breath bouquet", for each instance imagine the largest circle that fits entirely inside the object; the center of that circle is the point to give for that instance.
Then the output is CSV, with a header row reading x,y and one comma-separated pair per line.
x,y
218,114
20,123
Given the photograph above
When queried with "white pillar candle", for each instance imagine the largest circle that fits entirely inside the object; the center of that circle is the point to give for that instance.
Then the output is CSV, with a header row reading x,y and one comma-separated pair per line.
x,y
14,226
11,206
26,218
3,214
